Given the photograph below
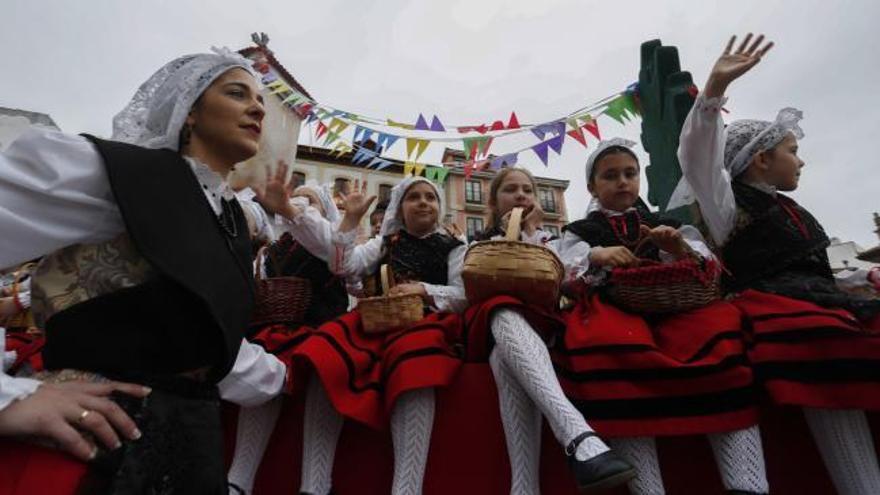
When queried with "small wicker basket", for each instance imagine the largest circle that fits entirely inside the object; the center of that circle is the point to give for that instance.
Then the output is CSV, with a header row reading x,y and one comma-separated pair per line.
x,y
526,271
655,287
279,299
386,313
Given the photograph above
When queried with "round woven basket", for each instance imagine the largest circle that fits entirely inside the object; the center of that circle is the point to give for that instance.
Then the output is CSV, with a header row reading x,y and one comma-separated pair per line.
x,y
510,267
655,287
279,299
386,313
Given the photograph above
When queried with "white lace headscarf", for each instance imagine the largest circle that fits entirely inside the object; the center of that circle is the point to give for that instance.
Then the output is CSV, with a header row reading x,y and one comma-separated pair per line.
x,y
155,115
325,195
591,162
743,140
391,224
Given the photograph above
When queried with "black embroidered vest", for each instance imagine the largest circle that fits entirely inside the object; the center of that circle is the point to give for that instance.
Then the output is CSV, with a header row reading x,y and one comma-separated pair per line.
x,y
194,311
414,259
286,257
599,229
778,246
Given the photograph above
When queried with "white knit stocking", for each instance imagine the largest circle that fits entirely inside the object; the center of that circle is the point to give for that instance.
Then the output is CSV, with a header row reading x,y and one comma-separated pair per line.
x,y
844,440
641,452
411,423
522,429
740,458
255,425
526,356
322,426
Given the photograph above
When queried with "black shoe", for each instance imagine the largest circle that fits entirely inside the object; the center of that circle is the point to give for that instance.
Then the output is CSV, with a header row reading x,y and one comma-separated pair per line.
x,y
600,472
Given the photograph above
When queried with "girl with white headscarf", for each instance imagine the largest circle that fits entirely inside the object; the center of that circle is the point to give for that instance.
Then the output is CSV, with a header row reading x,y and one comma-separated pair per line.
x,y
146,271
631,373
775,252
395,373
303,250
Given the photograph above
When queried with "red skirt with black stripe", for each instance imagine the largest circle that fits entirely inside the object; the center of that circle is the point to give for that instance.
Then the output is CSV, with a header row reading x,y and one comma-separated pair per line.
x,y
681,374
476,337
807,355
282,341
364,374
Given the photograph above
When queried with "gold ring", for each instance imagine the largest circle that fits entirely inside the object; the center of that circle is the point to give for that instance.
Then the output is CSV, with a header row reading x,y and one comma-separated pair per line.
x,y
82,416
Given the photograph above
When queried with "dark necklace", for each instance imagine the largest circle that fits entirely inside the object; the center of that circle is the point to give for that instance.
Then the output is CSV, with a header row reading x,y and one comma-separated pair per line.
x,y
226,219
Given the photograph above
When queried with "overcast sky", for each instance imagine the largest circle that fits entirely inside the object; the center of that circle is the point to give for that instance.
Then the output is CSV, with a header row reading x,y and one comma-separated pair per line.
x,y
473,61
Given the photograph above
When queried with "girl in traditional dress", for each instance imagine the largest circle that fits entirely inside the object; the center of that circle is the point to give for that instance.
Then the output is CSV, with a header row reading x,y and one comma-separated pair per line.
x,y
814,345
369,378
639,376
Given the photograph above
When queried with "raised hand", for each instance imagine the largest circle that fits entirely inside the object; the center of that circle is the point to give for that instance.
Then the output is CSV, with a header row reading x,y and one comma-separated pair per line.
x,y
356,204
615,256
275,195
734,63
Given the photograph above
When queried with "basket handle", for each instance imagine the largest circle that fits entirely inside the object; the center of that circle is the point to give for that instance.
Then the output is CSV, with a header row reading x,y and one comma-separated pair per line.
x,y
258,273
386,278
685,246
513,224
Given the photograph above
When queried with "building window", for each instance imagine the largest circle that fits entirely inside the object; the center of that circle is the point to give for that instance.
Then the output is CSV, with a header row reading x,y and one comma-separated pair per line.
x,y
340,185
297,179
547,199
384,193
552,229
473,191
474,226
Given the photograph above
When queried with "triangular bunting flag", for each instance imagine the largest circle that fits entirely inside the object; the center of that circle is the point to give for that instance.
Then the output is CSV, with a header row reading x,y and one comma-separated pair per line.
x,y
618,109
436,125
417,145
419,168
497,126
578,134
556,143
321,130
341,148
421,123
392,123
470,147
382,164
408,168
431,173
384,141
513,123
362,155
331,136
292,99
282,88
540,149
485,142
593,128
442,172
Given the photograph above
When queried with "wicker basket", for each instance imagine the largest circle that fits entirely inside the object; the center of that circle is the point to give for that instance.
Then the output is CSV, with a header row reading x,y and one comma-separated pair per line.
x,y
23,320
279,299
526,271
386,313
655,287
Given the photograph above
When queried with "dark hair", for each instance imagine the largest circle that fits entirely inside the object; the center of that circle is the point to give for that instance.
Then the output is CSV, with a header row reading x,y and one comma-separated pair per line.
x,y
495,185
611,150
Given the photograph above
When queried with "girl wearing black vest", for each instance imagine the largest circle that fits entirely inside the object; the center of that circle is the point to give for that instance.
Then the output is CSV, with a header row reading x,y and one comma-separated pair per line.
x,y
303,250
815,346
639,376
374,379
147,270
513,335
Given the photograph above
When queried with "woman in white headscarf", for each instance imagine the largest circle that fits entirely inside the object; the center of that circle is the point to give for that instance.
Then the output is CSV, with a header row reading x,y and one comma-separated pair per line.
x,y
304,251
369,378
146,273
814,345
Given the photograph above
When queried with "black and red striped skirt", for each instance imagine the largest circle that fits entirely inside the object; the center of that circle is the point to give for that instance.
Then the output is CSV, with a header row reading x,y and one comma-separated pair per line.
x,y
476,337
364,374
807,355
680,374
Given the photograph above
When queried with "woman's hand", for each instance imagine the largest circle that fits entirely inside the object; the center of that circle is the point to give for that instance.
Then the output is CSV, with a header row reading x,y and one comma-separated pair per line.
x,y
275,195
733,64
356,204
668,239
61,412
615,256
